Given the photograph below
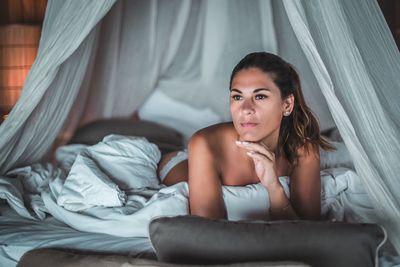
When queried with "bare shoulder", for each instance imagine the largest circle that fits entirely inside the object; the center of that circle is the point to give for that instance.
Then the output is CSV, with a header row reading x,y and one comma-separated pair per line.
x,y
212,136
308,152
307,159
219,128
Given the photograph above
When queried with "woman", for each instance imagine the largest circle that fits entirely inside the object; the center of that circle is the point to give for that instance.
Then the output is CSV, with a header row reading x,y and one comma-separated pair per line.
x,y
273,133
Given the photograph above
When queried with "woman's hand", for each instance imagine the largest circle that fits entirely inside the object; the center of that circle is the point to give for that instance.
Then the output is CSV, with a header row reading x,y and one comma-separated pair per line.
x,y
264,162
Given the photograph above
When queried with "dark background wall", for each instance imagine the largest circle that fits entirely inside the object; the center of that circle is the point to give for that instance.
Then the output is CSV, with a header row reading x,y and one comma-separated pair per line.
x,y
391,11
22,11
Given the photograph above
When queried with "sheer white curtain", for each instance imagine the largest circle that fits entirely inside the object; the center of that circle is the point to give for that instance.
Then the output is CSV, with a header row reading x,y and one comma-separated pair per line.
x,y
138,41
184,48
356,63
85,70
218,34
53,82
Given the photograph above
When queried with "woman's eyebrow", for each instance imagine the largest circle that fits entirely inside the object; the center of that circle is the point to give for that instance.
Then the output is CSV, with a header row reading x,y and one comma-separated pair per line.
x,y
255,91
261,89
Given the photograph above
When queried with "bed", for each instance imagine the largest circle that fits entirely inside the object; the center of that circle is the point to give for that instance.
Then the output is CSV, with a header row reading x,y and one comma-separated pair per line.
x,y
43,207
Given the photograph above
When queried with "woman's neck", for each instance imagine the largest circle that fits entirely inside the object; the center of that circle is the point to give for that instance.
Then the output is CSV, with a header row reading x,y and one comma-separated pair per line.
x,y
271,142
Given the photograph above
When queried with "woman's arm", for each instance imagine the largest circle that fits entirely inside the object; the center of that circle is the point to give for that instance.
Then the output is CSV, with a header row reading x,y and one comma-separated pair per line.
x,y
205,190
265,167
305,189
305,184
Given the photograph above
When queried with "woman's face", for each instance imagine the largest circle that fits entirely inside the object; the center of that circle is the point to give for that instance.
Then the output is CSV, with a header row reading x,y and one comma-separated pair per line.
x,y
256,105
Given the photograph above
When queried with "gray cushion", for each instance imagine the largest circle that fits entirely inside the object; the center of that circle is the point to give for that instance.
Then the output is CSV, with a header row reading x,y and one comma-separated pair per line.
x,y
165,138
192,239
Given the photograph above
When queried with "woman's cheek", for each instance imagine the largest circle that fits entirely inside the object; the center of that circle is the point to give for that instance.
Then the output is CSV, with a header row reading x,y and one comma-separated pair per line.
x,y
234,114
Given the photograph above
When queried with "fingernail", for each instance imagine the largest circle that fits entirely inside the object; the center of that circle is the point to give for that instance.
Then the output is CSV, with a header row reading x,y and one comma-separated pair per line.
x,y
250,153
242,142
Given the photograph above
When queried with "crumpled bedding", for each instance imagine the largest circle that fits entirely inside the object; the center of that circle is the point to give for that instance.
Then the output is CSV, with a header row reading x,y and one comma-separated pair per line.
x,y
112,188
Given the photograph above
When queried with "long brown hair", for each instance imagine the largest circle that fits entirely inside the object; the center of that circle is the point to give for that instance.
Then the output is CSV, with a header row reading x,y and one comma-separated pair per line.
x,y
300,128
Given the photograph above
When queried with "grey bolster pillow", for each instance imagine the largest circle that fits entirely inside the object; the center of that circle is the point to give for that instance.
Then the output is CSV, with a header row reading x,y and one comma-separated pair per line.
x,y
198,240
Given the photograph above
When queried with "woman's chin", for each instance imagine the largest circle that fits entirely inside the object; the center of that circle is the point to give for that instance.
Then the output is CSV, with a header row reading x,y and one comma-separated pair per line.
x,y
250,137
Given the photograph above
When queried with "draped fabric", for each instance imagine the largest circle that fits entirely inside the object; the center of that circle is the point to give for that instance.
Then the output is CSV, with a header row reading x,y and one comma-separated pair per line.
x,y
348,63
53,82
218,34
124,64
125,70
342,60
188,56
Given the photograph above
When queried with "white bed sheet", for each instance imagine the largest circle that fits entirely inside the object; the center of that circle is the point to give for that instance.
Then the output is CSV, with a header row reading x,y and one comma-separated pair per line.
x,y
19,235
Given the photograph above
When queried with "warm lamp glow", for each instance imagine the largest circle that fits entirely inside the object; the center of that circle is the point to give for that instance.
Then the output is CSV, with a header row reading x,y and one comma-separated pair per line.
x,y
18,48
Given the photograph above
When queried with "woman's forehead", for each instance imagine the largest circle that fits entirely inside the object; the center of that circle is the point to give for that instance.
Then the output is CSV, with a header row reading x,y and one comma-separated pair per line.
x,y
251,79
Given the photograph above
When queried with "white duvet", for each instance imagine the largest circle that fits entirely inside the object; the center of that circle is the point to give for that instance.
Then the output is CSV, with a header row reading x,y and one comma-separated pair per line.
x,y
112,188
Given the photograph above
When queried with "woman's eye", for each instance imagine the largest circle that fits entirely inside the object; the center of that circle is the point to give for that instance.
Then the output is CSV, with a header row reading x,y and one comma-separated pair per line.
x,y
260,97
236,97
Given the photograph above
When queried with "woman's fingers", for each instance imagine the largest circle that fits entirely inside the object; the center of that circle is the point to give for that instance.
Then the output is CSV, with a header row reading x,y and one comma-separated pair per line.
x,y
257,148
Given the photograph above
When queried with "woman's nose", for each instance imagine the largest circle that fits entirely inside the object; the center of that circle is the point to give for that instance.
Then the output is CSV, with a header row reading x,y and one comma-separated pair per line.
x,y
248,107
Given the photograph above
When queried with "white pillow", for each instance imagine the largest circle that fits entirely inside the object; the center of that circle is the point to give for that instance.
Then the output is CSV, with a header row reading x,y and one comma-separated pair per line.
x,y
88,186
170,112
101,171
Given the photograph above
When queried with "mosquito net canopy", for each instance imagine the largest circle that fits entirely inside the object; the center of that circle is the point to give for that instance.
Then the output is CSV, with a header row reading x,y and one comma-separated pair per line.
x,y
103,58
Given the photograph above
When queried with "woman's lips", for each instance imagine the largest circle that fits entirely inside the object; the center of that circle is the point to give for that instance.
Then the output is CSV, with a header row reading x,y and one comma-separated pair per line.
x,y
248,124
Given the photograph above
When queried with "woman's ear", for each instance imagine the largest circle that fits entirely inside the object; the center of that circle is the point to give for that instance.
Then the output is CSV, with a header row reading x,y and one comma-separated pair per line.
x,y
288,104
